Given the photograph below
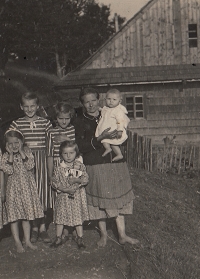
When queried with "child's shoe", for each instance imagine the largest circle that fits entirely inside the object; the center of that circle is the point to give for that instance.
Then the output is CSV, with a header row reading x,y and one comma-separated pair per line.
x,y
34,236
43,236
65,238
57,242
80,242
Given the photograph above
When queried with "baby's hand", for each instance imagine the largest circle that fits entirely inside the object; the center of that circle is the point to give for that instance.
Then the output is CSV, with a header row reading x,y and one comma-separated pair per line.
x,y
119,134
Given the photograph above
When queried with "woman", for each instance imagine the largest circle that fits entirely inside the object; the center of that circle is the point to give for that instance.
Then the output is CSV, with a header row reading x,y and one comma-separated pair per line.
x,y
109,192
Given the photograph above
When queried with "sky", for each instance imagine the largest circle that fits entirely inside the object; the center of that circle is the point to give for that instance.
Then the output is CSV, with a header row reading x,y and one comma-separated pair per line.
x,y
124,8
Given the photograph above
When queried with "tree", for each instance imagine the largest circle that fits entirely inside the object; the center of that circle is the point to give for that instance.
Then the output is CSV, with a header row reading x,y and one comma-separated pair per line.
x,y
62,32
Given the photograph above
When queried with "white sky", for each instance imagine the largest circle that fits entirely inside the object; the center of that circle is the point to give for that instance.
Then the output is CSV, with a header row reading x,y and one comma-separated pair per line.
x,y
124,8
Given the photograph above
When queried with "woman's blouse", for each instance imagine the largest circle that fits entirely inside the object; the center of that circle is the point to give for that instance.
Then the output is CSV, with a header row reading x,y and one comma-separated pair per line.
x,y
92,150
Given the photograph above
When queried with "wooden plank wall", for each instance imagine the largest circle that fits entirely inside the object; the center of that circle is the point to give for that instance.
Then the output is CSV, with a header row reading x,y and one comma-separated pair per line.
x,y
170,110
156,36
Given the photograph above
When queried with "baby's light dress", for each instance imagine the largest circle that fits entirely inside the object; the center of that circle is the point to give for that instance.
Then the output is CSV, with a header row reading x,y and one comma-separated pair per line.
x,y
115,118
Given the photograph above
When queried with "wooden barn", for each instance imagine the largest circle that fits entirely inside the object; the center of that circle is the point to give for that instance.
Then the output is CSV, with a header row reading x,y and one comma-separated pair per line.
x,y
154,60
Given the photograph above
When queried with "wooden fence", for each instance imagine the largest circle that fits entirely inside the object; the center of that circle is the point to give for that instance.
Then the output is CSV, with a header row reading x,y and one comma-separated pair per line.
x,y
140,153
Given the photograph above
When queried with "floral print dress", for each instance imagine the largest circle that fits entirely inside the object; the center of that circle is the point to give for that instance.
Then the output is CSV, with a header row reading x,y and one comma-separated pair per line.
x,y
70,210
22,200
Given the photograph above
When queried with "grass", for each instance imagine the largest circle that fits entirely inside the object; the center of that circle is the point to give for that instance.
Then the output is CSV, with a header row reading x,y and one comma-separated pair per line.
x,y
166,221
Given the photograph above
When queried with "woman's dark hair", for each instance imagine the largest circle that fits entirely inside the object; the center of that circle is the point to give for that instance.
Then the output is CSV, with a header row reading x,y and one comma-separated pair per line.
x,y
13,133
29,96
70,143
63,107
88,90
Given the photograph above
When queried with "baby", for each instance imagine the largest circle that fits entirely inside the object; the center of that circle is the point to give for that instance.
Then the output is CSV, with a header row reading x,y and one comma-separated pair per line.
x,y
113,116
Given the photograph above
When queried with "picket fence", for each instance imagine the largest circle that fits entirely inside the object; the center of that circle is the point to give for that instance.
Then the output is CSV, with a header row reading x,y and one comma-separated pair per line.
x,y
139,152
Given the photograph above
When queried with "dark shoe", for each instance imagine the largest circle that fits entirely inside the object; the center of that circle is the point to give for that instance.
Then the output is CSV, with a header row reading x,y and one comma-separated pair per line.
x,y
65,238
34,236
57,242
43,236
80,243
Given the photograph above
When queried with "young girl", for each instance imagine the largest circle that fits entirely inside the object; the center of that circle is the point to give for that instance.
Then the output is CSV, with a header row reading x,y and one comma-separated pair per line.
x,y
69,178
63,131
113,116
22,200
34,130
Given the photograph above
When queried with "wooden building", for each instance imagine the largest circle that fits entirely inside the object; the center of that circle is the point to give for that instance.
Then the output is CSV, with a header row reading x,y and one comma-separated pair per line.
x,y
154,60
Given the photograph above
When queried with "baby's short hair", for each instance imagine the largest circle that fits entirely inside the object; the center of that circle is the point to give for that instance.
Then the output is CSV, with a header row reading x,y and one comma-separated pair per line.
x,y
114,90
29,96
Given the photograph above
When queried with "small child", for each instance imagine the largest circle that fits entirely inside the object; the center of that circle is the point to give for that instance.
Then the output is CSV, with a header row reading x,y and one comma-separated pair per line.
x,y
113,116
22,200
69,178
63,131
34,129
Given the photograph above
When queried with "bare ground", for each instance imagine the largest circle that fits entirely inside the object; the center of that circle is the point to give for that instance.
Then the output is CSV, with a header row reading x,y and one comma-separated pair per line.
x,y
165,220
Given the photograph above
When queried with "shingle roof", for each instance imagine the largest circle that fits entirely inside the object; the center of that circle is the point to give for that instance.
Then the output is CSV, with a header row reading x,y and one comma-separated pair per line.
x,y
124,75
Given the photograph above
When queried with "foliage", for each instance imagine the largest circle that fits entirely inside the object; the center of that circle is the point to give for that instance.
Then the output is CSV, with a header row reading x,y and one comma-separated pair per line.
x,y
49,31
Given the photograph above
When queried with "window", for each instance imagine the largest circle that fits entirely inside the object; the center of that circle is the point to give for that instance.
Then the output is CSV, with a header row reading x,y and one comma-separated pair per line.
x,y
192,33
135,106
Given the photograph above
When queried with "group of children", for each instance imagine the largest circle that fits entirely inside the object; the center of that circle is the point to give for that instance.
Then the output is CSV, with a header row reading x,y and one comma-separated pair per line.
x,y
42,168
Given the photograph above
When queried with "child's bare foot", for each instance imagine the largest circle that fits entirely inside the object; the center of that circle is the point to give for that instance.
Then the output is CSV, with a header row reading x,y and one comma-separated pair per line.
x,y
30,245
20,248
117,158
102,241
106,152
127,239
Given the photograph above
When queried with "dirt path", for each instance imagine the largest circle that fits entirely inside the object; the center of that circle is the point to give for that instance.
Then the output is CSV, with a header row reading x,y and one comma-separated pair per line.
x,y
66,261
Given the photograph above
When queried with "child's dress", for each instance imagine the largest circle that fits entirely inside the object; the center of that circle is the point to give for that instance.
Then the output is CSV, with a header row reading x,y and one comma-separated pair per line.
x,y
35,137
114,118
53,150
70,210
22,200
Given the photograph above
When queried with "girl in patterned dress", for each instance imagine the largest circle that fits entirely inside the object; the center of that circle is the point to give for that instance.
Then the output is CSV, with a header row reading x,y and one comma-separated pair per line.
x,y
64,130
69,178
34,130
22,200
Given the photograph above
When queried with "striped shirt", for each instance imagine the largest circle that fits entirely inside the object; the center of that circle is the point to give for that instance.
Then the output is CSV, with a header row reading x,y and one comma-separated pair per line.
x,y
35,133
53,146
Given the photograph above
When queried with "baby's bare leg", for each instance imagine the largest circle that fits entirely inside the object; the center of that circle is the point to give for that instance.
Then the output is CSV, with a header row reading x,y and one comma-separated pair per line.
x,y
116,149
107,148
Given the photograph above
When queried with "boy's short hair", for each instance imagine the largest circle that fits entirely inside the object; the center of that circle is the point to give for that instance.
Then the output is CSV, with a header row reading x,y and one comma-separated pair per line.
x,y
29,96
70,143
63,107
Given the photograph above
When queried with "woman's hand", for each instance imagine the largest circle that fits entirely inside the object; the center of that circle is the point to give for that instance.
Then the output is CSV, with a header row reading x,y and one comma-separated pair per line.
x,y
107,135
